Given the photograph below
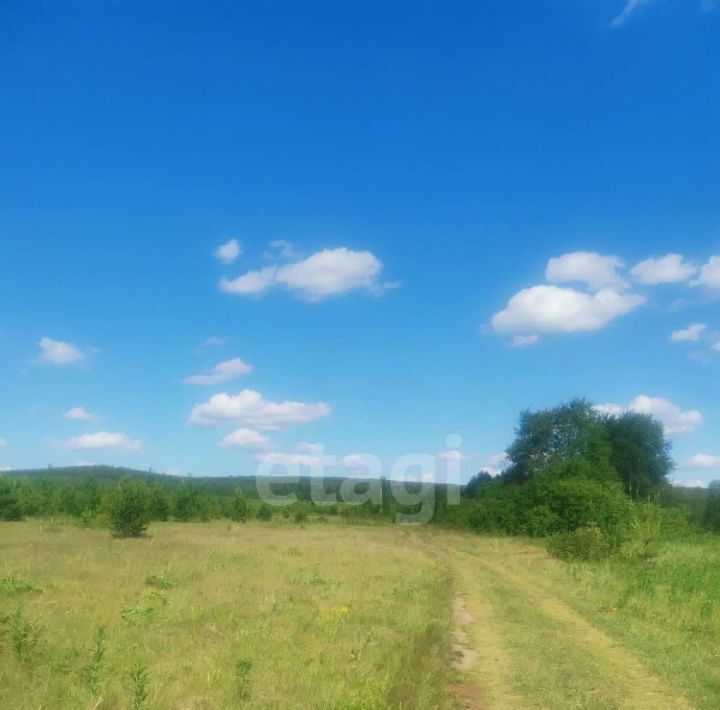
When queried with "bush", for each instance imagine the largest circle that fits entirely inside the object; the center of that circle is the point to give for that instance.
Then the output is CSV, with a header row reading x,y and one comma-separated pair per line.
x,y
128,509
264,512
238,507
547,505
300,516
9,504
586,543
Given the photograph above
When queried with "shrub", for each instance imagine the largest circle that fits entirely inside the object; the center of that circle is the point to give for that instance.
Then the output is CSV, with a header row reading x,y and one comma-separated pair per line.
x,y
547,505
300,516
128,509
264,512
238,507
9,504
586,543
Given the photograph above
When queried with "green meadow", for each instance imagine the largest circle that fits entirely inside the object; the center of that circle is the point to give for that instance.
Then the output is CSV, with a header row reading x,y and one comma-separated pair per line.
x,y
331,614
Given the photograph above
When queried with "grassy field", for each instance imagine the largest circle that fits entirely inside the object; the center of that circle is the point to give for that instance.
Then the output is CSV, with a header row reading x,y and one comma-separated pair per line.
x,y
244,615
273,615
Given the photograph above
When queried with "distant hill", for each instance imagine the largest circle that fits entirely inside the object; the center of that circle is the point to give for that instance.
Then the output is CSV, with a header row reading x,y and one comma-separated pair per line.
x,y
222,485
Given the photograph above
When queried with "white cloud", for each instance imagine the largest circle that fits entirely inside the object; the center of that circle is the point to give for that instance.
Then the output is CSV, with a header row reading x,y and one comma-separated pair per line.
x,y
104,440
3,442
354,460
57,352
289,459
688,483
551,309
250,283
702,461
325,273
79,414
716,346
631,6
245,439
228,252
674,420
595,270
4,469
668,269
331,271
307,448
250,408
709,274
222,372
613,410
523,341
691,334
213,342
496,464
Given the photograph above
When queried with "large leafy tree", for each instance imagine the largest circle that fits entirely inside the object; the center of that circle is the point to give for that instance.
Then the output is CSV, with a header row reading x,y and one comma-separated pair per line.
x,y
559,440
640,452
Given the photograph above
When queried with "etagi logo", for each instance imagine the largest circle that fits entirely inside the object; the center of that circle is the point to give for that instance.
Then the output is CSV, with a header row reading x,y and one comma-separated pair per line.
x,y
412,483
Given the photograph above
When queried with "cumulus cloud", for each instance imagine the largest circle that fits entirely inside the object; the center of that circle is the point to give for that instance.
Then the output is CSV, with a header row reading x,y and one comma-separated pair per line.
x,y
595,270
674,420
325,273
79,414
691,334
213,342
551,309
57,352
252,409
248,439
668,269
228,252
709,274
104,440
222,372
253,282
631,7
702,461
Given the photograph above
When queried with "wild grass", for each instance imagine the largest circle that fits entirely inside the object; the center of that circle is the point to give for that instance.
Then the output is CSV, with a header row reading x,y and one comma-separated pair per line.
x,y
206,615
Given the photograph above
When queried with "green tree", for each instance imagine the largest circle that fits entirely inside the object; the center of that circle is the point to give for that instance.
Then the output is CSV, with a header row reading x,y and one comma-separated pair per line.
x,y
571,432
185,505
640,452
128,509
265,512
9,503
238,506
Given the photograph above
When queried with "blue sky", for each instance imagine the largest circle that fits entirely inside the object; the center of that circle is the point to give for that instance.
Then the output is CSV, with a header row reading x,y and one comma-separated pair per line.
x,y
398,180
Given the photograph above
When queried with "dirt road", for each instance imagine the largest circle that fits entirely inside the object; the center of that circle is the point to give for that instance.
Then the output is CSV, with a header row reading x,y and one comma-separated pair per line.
x,y
518,645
